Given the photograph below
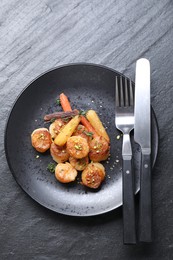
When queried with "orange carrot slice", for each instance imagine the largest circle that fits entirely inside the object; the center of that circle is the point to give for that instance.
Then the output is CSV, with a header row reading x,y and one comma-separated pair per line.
x,y
65,102
87,124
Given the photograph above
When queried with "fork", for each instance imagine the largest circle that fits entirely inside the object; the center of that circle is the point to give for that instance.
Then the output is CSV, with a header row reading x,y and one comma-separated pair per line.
x,y
124,121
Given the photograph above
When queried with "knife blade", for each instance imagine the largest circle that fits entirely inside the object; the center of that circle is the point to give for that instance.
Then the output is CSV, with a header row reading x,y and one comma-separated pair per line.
x,y
142,135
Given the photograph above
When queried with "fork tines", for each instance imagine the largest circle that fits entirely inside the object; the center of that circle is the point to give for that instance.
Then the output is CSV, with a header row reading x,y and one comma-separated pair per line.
x,y
124,92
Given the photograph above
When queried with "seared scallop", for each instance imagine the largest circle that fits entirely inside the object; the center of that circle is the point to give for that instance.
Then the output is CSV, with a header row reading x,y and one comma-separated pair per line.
x,y
41,139
59,153
99,149
93,175
77,147
65,173
79,164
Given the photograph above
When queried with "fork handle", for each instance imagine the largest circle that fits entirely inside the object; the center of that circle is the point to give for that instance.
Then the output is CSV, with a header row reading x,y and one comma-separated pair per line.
x,y
129,231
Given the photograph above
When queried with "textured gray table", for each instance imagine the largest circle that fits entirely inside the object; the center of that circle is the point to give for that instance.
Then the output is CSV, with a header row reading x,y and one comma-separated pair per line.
x,y
38,35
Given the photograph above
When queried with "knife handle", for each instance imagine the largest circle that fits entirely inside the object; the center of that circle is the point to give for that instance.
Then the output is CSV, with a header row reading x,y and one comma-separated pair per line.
x,y
129,230
145,208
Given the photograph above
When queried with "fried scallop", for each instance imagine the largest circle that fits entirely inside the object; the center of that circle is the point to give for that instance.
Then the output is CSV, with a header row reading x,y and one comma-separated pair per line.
x,y
79,164
82,131
99,149
55,127
59,153
41,139
77,147
93,175
65,173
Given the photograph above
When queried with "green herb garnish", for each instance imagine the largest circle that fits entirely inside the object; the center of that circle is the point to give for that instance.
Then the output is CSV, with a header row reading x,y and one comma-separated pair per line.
x,y
66,118
88,133
82,113
58,102
52,120
51,167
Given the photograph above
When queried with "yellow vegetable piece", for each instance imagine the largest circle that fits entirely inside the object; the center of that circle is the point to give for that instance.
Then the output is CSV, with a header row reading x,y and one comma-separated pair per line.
x,y
67,131
95,121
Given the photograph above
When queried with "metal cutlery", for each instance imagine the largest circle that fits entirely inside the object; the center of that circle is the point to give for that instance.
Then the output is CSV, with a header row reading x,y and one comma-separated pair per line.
x,y
124,121
142,135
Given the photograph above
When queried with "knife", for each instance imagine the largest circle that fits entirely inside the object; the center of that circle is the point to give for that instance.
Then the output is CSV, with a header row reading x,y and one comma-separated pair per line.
x,y
142,135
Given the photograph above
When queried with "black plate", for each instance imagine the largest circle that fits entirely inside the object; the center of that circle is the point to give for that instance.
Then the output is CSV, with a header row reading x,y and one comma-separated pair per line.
x,y
87,86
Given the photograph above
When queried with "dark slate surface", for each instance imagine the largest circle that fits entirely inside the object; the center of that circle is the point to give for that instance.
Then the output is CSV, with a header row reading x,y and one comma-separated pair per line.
x,y
38,35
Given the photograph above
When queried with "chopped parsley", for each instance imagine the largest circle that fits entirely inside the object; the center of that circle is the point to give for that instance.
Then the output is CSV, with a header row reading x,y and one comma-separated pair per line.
x,y
51,167
82,113
88,133
66,118
58,102
52,120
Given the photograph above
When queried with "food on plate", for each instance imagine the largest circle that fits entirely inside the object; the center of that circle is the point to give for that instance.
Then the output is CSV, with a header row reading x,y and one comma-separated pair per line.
x,y
77,147
65,172
67,131
93,175
94,119
99,149
55,127
79,164
82,131
41,139
65,115
59,153
65,102
77,141
87,124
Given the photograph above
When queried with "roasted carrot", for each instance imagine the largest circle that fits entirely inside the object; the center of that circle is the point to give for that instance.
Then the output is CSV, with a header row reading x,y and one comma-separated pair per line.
x,y
67,107
87,124
67,131
65,102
